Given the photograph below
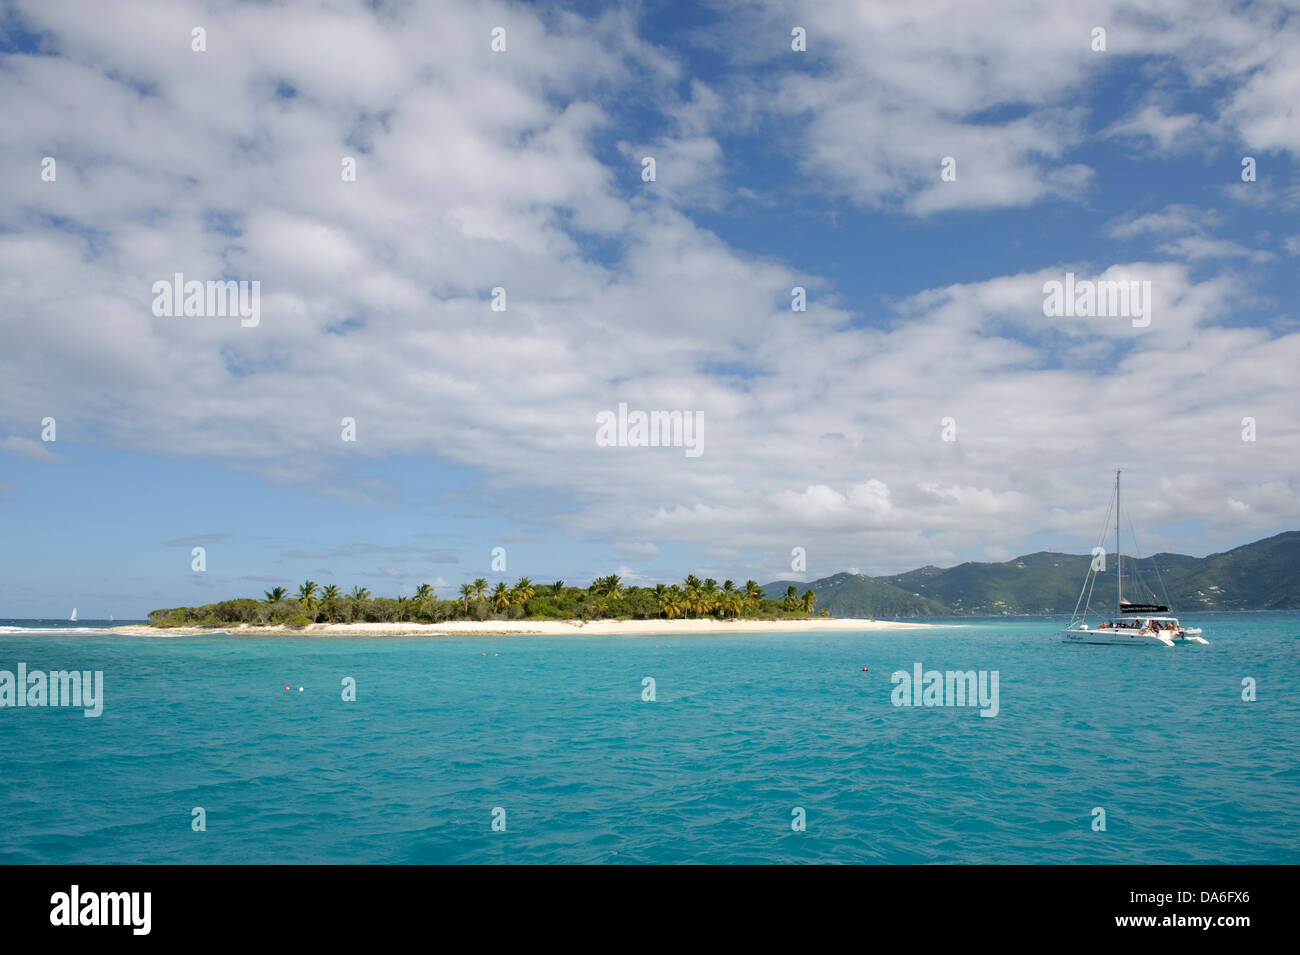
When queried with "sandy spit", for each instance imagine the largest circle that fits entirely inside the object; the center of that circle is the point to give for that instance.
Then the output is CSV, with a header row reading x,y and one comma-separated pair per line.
x,y
465,628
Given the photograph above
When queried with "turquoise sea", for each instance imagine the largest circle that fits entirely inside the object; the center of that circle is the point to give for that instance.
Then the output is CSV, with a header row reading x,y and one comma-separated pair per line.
x,y
744,729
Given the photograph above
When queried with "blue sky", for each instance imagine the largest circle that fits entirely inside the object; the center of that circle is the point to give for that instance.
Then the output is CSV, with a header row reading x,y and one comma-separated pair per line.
x,y
521,169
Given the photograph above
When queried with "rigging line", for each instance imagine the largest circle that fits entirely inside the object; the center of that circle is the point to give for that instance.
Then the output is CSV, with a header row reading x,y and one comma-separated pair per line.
x,y
1138,580
1138,576
1090,589
1140,585
1159,579
1091,576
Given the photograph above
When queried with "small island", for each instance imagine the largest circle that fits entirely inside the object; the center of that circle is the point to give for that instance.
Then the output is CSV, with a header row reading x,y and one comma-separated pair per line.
x,y
606,606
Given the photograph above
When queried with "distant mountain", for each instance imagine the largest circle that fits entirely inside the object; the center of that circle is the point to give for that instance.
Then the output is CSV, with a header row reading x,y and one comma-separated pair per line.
x,y
1035,583
1264,575
856,595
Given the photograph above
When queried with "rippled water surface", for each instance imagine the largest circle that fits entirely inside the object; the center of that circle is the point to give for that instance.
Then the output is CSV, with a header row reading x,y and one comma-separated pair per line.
x,y
744,729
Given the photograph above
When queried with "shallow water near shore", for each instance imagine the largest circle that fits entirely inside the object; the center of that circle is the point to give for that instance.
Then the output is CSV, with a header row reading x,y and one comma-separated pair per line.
x,y
745,728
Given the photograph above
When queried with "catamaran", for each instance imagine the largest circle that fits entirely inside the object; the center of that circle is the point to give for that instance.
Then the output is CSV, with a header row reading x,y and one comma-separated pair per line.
x,y
1134,624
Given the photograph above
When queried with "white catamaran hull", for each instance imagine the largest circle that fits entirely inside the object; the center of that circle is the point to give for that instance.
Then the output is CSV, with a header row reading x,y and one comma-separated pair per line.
x,y
1128,638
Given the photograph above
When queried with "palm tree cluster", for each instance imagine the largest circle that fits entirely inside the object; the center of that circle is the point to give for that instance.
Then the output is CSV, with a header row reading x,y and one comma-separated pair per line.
x,y
606,597
704,598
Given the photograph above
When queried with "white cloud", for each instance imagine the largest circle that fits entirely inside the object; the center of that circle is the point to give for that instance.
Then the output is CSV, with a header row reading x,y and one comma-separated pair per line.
x,y
1172,219
886,90
478,171
1187,233
1151,128
28,448
1204,247
636,550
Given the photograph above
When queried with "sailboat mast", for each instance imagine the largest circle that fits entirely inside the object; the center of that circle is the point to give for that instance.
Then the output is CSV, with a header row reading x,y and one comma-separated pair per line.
x,y
1119,578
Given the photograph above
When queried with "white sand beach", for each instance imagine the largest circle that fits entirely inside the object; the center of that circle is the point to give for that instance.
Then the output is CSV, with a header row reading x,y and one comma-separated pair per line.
x,y
549,627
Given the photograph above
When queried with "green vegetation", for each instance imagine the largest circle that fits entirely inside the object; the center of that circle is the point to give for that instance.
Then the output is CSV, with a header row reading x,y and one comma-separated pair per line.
x,y
606,597
1264,575
854,595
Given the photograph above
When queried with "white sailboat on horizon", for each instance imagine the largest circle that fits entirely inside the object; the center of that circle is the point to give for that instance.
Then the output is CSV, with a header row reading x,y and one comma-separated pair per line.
x,y
1134,624
73,618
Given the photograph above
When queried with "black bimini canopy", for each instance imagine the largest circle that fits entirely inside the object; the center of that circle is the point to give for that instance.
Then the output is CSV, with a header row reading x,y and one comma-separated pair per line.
x,y
1143,608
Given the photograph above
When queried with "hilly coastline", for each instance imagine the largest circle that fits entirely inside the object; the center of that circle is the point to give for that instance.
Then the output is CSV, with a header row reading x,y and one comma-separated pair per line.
x,y
1263,575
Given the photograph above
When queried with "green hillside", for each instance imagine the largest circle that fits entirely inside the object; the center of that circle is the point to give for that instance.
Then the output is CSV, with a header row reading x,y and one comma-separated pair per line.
x,y
1035,583
856,595
1264,575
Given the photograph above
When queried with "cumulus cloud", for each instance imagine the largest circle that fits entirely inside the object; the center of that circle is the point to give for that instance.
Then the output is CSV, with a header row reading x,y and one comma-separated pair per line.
x,y
28,448
1152,128
885,91
479,171
1186,232
636,550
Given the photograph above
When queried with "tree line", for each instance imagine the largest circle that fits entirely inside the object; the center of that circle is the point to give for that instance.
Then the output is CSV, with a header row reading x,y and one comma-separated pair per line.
x,y
605,597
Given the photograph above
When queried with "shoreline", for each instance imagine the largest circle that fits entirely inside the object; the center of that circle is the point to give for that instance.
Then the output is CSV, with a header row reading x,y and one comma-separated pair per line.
x,y
496,628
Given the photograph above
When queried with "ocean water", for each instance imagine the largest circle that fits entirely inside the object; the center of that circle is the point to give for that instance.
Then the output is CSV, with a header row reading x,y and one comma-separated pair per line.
x,y
744,729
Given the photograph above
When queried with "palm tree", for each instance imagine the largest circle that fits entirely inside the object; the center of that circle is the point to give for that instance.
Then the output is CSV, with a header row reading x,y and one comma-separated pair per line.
x,y
730,603
276,595
709,596
356,598
404,608
662,596
557,588
753,592
466,591
480,589
728,586
611,586
675,605
306,594
691,600
522,591
791,601
329,599
423,594
501,599
809,598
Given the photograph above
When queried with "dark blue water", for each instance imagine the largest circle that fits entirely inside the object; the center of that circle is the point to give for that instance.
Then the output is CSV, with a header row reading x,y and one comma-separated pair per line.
x,y
744,729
